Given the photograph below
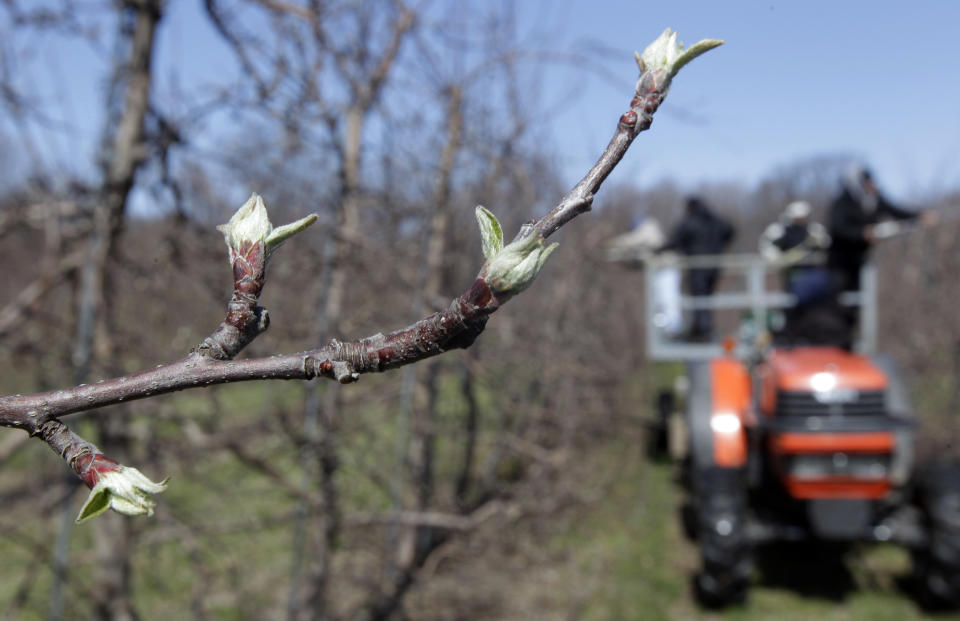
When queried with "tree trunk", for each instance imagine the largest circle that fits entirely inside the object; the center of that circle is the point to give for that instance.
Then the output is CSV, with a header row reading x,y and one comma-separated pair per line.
x,y
124,154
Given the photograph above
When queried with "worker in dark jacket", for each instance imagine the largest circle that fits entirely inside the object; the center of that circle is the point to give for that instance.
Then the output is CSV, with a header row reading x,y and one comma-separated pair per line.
x,y
859,217
856,220
700,232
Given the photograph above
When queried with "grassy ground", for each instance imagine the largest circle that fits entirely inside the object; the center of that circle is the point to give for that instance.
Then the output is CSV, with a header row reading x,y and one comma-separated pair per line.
x,y
618,556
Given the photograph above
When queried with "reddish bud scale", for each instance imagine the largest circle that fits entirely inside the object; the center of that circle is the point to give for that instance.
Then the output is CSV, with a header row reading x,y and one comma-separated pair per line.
x,y
250,251
81,465
628,118
249,286
248,260
479,293
256,255
240,269
326,367
90,466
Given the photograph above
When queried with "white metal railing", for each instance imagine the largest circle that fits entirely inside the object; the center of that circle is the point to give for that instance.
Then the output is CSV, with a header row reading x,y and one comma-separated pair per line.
x,y
757,296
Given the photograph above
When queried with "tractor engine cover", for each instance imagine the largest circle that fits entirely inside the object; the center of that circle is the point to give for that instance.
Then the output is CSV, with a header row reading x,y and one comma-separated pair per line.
x,y
830,433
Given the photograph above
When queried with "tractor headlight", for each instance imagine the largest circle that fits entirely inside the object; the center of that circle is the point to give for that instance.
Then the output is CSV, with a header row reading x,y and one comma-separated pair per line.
x,y
725,422
823,382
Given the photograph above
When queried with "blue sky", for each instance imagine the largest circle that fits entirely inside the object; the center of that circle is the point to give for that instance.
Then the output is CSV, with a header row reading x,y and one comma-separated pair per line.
x,y
794,80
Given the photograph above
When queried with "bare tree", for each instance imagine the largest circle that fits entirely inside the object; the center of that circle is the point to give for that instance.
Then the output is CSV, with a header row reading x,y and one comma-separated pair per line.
x,y
363,72
123,155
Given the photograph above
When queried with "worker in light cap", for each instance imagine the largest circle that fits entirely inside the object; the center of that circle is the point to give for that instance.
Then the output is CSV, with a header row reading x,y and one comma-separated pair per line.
x,y
793,237
798,210
791,243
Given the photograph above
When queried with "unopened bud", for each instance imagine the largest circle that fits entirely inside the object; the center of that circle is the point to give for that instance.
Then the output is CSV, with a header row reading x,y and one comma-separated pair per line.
x,y
667,54
123,489
514,267
251,225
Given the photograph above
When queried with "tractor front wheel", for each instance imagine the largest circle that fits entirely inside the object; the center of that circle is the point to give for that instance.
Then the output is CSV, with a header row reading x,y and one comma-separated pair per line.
x,y
722,538
937,566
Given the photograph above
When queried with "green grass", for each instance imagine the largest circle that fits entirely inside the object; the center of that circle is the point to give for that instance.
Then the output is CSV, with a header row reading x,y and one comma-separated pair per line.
x,y
635,530
621,556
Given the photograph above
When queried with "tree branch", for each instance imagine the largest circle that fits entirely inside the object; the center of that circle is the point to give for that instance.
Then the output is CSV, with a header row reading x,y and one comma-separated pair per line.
x,y
251,243
453,328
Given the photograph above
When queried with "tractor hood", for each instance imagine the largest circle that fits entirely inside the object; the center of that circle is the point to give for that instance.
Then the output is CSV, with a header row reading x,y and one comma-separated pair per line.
x,y
824,370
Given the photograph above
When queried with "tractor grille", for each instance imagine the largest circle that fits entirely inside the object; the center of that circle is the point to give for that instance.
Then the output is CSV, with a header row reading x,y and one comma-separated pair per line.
x,y
837,403
822,465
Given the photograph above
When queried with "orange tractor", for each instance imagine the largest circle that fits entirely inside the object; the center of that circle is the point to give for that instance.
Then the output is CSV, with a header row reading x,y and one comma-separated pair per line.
x,y
794,441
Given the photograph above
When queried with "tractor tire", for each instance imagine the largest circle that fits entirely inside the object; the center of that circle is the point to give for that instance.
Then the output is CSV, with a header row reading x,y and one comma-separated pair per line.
x,y
721,535
937,566
689,521
658,434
